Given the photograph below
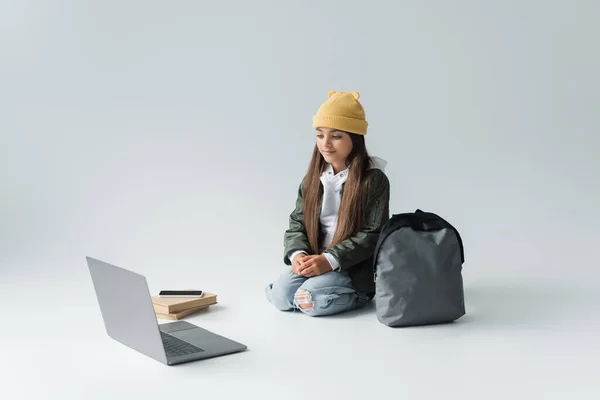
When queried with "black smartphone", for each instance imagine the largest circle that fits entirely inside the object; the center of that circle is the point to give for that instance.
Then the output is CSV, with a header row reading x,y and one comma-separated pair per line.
x,y
181,293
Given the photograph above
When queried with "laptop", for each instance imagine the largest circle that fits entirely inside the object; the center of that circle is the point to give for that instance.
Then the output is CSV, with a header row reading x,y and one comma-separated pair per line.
x,y
129,318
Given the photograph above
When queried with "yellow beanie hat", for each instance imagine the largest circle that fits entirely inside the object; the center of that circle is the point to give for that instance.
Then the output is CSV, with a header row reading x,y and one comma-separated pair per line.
x,y
342,111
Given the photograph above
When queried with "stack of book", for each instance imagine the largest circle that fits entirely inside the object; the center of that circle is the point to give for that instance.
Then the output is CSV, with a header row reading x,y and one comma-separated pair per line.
x,y
179,307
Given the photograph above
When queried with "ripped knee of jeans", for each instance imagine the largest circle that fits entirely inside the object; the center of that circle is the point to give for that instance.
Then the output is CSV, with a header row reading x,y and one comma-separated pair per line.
x,y
303,299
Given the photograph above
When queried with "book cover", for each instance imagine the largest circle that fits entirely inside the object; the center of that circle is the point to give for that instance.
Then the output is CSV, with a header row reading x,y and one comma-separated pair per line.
x,y
170,305
180,314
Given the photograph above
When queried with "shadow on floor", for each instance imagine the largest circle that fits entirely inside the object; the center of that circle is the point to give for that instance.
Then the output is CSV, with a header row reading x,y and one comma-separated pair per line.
x,y
513,305
368,308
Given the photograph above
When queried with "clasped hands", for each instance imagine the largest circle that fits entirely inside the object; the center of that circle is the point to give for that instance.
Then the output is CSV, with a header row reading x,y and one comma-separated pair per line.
x,y
308,266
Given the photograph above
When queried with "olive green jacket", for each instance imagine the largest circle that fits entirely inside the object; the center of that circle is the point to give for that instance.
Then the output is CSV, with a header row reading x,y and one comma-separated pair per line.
x,y
355,254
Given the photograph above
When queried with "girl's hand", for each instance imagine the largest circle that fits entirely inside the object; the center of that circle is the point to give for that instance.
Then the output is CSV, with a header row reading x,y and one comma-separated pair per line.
x,y
314,265
297,263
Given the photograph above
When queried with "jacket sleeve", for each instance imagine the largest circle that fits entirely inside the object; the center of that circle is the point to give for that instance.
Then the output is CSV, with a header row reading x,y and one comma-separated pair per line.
x,y
295,238
361,246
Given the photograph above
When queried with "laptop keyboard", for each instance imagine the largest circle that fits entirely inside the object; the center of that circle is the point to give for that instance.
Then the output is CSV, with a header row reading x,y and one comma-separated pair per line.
x,y
177,347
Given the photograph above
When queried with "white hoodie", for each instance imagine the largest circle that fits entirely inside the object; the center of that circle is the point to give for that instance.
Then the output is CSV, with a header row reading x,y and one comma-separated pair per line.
x,y
332,197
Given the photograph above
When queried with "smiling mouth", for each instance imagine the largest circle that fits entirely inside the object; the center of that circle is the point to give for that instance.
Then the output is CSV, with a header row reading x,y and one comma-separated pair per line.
x,y
328,152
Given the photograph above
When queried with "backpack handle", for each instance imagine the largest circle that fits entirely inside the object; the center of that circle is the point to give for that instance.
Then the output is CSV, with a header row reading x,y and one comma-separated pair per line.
x,y
420,221
443,224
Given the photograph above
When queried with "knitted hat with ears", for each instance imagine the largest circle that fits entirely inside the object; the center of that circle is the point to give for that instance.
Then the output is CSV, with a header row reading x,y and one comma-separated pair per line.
x,y
342,111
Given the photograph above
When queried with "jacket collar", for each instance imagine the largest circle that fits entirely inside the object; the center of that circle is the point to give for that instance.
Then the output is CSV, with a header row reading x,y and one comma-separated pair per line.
x,y
329,177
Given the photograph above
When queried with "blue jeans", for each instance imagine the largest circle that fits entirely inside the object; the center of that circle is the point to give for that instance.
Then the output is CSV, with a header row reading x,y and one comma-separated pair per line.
x,y
327,294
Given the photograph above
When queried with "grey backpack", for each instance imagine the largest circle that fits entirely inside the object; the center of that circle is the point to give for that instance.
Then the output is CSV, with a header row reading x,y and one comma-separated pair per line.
x,y
418,271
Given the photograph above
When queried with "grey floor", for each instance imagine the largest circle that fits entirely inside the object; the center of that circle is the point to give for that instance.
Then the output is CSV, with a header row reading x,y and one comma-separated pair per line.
x,y
531,339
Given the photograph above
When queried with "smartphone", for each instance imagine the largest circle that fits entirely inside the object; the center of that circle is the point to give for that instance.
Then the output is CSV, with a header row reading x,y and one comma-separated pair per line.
x,y
181,293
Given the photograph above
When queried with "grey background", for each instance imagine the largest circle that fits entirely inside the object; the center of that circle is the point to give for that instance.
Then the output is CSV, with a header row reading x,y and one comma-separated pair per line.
x,y
170,138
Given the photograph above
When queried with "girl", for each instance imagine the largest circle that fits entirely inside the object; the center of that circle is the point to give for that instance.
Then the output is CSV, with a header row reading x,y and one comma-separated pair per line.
x,y
342,203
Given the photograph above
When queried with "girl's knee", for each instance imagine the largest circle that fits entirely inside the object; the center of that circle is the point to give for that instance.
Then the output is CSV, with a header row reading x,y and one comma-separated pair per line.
x,y
279,297
322,304
303,300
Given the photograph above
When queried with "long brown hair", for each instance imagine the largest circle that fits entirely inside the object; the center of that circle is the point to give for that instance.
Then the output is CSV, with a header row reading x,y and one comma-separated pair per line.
x,y
351,215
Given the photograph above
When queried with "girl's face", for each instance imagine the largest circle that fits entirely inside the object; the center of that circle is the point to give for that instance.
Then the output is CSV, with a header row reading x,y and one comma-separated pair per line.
x,y
334,145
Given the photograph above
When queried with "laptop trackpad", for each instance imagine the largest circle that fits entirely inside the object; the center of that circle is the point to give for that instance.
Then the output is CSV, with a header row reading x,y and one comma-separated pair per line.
x,y
198,336
176,326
